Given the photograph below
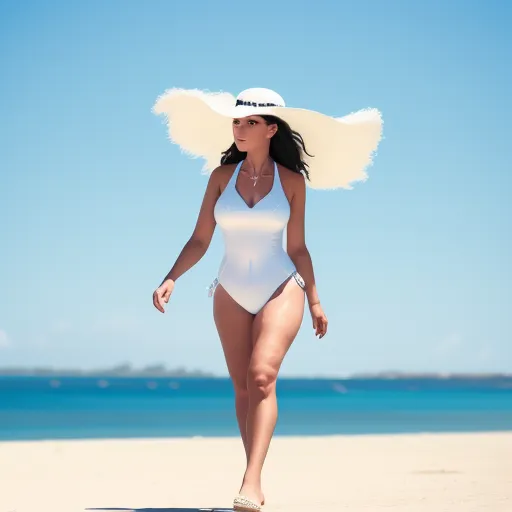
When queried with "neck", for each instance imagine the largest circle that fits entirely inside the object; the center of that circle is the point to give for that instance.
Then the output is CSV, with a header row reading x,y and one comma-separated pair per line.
x,y
257,160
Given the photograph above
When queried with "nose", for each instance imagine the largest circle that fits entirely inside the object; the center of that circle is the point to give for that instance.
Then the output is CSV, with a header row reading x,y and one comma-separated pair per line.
x,y
239,131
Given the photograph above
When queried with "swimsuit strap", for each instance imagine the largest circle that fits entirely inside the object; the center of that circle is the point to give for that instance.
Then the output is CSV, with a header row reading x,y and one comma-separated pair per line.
x,y
278,178
235,174
276,175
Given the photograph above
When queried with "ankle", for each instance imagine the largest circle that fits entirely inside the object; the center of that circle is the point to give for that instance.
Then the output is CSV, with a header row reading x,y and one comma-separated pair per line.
x,y
252,480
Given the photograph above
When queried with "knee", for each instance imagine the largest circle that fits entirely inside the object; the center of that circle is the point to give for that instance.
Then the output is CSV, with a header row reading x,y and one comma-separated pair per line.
x,y
261,380
240,388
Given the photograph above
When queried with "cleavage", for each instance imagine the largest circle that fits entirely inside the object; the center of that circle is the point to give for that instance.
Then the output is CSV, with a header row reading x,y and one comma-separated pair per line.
x,y
250,186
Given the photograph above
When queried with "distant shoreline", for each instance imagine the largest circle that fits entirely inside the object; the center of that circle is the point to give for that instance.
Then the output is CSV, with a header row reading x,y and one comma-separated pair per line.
x,y
161,372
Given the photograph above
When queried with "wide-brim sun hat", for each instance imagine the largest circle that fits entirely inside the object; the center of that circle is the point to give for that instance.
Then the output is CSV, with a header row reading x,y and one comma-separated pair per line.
x,y
342,148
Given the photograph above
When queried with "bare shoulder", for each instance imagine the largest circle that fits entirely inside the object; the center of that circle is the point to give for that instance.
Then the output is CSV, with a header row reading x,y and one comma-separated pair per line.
x,y
222,174
293,182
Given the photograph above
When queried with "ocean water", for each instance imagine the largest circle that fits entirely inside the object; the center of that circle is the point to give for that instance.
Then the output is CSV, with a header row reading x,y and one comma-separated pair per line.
x,y
94,407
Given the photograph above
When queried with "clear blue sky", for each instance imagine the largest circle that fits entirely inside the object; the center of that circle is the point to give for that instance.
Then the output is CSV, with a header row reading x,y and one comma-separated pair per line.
x,y
413,266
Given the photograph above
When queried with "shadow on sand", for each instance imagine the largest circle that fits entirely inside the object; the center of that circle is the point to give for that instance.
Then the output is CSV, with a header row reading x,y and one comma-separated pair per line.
x,y
128,509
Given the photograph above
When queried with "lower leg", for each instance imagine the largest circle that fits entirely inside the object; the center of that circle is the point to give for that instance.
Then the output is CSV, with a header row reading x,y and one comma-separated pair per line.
x,y
242,408
261,422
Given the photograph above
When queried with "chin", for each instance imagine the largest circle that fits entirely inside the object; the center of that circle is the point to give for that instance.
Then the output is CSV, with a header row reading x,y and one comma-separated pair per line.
x,y
241,146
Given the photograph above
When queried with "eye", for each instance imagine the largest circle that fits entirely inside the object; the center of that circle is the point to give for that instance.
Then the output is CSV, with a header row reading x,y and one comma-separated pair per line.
x,y
252,122
236,121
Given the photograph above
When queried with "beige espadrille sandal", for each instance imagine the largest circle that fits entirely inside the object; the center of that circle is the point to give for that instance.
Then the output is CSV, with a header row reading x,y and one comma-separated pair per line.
x,y
243,504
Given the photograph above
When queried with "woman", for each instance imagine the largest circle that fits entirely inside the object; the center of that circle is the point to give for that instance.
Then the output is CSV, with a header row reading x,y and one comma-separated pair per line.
x,y
257,196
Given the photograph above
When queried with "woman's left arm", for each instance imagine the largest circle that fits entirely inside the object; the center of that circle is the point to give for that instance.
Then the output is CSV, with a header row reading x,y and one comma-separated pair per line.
x,y
299,254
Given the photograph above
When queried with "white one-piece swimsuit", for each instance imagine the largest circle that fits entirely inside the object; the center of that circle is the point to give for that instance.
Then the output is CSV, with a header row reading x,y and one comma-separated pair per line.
x,y
255,262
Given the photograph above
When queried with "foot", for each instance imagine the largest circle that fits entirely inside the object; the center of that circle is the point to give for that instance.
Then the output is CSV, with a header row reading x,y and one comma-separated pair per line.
x,y
253,493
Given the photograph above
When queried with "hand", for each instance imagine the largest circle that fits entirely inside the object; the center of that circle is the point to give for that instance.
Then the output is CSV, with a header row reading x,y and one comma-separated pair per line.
x,y
319,320
162,293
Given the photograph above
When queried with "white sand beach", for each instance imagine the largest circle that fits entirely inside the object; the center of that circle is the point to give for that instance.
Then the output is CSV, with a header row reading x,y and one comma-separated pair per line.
x,y
407,473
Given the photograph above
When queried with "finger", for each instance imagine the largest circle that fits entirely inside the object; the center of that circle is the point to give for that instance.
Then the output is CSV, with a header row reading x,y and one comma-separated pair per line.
x,y
156,302
166,295
322,329
160,301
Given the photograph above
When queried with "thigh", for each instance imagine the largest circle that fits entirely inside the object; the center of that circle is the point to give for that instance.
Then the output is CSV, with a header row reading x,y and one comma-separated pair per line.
x,y
276,325
234,325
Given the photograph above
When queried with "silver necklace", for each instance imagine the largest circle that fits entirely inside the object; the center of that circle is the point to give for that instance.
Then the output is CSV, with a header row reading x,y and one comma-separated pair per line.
x,y
255,177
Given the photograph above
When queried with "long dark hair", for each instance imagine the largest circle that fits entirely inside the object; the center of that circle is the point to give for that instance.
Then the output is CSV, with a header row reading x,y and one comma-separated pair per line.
x,y
286,148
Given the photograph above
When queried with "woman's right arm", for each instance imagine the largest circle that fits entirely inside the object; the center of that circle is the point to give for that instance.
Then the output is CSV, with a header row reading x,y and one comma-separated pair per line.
x,y
196,246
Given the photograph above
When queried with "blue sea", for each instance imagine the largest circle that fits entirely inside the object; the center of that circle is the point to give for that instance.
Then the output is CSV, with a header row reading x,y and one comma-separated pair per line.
x,y
115,407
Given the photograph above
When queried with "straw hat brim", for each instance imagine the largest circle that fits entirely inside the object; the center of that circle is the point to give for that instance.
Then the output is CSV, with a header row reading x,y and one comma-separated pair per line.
x,y
342,147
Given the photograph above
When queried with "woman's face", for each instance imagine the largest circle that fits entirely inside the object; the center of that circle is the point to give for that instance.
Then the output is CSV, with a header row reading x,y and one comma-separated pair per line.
x,y
252,133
